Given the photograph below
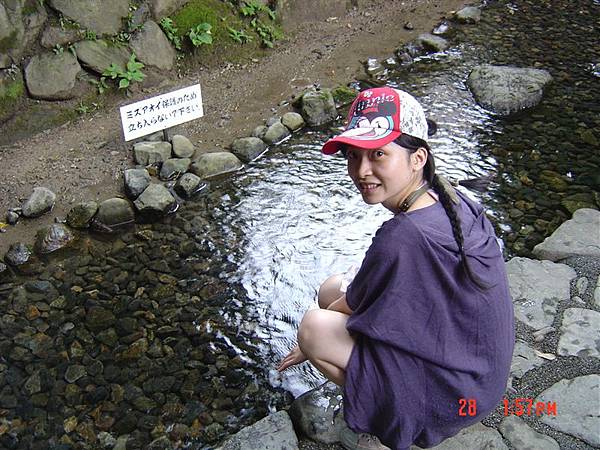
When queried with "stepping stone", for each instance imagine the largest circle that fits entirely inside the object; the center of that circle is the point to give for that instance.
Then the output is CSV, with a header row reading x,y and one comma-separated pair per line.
x,y
577,407
475,437
524,359
523,437
580,333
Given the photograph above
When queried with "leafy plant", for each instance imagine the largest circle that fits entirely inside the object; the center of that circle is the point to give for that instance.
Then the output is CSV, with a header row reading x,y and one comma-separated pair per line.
x,y
201,34
84,109
100,85
131,73
267,33
171,31
58,49
239,36
252,8
89,35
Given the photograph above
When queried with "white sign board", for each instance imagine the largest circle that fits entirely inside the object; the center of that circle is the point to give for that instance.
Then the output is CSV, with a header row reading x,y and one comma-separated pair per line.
x,y
161,112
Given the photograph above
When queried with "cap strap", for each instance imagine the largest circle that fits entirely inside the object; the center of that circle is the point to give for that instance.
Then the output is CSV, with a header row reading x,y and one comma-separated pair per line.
x,y
412,198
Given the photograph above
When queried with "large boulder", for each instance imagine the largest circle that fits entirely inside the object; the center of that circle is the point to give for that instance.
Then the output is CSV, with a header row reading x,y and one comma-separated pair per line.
x,y
155,200
576,237
152,47
212,164
99,55
248,148
274,432
112,213
60,86
101,17
318,107
318,414
41,201
505,89
20,26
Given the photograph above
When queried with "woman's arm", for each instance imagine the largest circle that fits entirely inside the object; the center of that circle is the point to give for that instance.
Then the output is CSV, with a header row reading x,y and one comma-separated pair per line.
x,y
340,305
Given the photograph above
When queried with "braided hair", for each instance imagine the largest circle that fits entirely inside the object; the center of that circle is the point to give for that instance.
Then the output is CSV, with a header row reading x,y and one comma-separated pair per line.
x,y
447,198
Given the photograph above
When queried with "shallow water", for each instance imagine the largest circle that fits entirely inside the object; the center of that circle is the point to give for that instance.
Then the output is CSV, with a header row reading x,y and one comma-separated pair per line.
x,y
178,325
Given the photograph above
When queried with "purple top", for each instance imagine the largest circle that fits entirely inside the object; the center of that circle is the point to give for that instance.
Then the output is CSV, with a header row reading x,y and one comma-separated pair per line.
x,y
426,336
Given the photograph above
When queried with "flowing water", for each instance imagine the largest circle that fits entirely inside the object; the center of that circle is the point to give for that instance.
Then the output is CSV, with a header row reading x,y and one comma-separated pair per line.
x,y
174,329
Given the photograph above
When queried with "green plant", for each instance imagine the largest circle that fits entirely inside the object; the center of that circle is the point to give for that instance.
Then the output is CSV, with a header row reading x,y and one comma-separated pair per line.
x,y
131,73
58,49
252,8
267,33
201,34
239,36
89,35
171,31
101,85
84,109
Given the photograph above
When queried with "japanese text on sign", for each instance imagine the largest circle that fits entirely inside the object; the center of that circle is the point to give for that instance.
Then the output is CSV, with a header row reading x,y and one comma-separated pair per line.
x,y
161,112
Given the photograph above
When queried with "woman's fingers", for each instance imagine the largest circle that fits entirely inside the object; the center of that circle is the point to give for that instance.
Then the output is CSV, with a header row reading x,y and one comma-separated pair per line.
x,y
295,356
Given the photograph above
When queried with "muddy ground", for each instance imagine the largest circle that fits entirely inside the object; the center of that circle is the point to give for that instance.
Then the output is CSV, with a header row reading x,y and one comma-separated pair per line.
x,y
83,159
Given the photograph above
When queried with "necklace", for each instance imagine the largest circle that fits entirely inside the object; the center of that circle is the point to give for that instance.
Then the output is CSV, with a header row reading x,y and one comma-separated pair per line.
x,y
412,198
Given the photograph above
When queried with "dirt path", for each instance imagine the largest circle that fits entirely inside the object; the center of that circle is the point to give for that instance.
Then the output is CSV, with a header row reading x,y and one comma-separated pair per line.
x,y
84,159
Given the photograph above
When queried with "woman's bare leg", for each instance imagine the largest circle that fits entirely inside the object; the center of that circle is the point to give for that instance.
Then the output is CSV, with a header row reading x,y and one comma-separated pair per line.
x,y
330,290
324,340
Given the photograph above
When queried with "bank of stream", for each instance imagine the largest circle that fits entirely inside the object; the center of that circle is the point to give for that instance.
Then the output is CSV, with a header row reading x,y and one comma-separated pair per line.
x,y
174,328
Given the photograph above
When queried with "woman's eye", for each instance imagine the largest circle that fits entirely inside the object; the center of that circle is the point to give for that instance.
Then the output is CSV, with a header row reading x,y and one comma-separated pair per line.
x,y
379,153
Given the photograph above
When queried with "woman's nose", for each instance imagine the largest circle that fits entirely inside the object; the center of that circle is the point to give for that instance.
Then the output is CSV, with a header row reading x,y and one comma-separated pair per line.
x,y
364,167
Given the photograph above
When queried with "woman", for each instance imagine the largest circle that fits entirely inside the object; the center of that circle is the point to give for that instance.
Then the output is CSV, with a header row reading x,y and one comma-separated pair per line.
x,y
422,339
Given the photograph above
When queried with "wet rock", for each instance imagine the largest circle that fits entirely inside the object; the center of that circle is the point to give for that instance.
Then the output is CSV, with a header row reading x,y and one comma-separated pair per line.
x,y
391,63
432,43
188,185
274,432
135,350
580,333
293,121
12,218
147,153
98,318
41,201
524,359
577,236
554,180
136,181
98,55
578,201
52,238
156,200
343,95
505,89
318,107
74,373
571,417
182,146
373,67
441,29
5,273
18,254
174,168
152,47
106,440
317,414
521,436
248,148
276,133
82,214
259,131
212,164
114,212
273,120
60,86
537,287
93,15
469,14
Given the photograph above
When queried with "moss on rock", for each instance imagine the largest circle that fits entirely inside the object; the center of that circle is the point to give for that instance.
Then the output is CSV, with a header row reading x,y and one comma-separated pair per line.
x,y
343,95
11,91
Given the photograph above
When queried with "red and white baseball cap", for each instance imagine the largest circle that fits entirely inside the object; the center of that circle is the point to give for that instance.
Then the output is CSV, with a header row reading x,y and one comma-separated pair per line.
x,y
379,116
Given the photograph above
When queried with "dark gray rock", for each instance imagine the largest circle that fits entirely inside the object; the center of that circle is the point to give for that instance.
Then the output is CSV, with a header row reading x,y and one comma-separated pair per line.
x,y
136,181
60,86
146,153
81,215
99,55
317,413
577,236
432,43
74,373
318,107
152,47
276,133
41,201
156,199
505,89
52,238
100,17
182,146
98,318
188,185
248,148
174,167
18,254
293,121
12,218
212,164
274,432
114,212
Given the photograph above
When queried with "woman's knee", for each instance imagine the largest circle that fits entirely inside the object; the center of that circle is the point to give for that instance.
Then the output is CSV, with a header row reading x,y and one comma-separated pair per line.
x,y
330,290
311,329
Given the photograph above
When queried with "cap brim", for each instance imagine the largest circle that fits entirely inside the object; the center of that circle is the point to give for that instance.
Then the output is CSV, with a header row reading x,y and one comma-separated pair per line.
x,y
333,145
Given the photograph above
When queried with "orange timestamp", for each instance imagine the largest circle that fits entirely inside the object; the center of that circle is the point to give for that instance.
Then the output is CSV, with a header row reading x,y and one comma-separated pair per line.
x,y
519,407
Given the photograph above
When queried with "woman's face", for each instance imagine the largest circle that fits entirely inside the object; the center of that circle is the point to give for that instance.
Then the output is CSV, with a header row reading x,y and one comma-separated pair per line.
x,y
385,175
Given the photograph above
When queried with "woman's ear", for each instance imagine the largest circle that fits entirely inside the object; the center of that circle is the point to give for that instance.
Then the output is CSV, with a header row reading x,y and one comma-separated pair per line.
x,y
419,158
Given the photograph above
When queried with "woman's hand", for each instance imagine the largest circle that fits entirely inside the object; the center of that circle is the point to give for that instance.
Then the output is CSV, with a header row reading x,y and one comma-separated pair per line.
x,y
295,356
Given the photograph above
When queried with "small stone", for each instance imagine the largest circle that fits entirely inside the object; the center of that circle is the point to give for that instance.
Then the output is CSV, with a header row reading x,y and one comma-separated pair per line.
x,y
469,14
41,201
136,181
432,43
188,185
18,254
12,218
409,26
80,215
293,121
70,424
74,373
182,146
